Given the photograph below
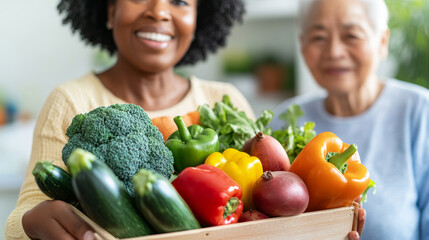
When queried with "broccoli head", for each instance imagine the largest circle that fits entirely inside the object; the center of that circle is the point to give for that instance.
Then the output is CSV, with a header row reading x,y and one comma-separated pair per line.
x,y
123,137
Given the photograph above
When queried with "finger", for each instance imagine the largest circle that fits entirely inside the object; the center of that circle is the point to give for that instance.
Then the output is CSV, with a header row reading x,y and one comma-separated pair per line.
x,y
78,228
361,220
39,224
89,235
74,225
358,201
353,235
58,232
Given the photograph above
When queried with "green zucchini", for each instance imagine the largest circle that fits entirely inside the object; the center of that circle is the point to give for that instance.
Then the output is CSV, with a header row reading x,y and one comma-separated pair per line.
x,y
103,197
54,182
160,203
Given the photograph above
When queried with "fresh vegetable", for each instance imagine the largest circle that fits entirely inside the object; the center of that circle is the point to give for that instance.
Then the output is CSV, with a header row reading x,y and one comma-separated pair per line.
x,y
332,171
252,215
292,137
192,118
54,182
280,193
103,197
160,203
166,125
123,137
271,153
371,185
233,127
214,198
191,145
241,167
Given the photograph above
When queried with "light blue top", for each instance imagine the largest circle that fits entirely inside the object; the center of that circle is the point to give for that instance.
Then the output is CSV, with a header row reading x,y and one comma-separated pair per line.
x,y
393,143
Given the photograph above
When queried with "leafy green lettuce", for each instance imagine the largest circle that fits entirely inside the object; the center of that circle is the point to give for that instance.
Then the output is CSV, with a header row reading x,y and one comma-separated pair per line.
x,y
233,127
291,136
372,185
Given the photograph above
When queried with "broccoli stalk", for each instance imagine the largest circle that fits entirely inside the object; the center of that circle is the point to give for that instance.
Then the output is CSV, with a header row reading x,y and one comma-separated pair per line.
x,y
123,137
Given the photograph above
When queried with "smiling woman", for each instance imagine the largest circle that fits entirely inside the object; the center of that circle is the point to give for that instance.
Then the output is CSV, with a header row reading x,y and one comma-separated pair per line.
x,y
342,43
343,53
152,47
150,38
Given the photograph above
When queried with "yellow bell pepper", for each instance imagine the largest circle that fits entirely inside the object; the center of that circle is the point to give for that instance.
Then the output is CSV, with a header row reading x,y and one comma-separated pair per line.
x,y
242,168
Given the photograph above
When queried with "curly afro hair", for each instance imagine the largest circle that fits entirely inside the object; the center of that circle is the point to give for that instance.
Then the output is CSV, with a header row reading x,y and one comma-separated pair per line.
x,y
215,19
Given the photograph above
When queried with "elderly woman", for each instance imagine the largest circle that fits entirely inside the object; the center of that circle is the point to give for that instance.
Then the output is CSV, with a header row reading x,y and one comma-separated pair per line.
x,y
342,42
150,38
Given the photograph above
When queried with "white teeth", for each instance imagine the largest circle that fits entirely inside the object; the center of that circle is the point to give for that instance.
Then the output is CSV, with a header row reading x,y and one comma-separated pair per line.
x,y
154,36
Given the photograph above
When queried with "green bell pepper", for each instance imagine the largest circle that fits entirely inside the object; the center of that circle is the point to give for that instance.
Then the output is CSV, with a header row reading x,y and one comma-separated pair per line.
x,y
191,145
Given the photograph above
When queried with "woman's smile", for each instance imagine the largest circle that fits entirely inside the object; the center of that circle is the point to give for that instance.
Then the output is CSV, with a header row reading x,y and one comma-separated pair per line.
x,y
154,40
337,71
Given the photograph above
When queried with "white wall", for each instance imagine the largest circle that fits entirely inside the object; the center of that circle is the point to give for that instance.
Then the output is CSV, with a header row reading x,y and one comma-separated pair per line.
x,y
256,36
37,52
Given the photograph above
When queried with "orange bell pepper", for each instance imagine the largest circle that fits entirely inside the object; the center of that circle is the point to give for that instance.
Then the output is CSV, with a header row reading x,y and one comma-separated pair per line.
x,y
167,126
329,186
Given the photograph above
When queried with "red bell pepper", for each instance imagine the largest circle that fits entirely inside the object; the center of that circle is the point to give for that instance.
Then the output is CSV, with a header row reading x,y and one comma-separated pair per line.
x,y
213,197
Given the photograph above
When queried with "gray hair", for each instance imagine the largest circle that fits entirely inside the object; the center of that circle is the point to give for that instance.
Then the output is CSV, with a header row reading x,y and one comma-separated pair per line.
x,y
377,11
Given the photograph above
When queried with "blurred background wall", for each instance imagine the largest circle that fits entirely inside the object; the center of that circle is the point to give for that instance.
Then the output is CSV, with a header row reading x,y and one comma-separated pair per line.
x,y
37,53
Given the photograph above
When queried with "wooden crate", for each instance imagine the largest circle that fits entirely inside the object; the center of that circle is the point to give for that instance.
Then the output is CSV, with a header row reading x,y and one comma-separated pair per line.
x,y
327,224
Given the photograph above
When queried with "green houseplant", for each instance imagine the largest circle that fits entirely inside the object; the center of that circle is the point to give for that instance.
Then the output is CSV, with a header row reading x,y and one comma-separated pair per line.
x,y
410,39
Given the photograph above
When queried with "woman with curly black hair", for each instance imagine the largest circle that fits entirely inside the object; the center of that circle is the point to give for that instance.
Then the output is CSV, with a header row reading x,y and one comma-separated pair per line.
x,y
214,22
149,38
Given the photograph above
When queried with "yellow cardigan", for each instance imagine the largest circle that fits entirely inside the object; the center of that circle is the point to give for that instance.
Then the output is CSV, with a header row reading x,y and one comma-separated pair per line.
x,y
81,96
